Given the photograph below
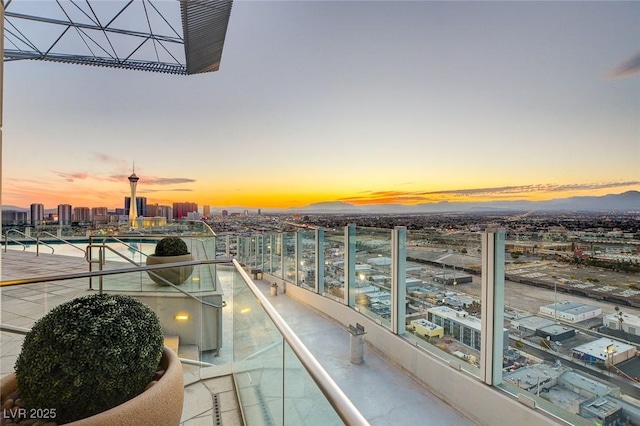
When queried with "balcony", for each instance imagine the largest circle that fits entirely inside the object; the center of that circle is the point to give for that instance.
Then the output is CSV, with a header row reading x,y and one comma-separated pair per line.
x,y
240,382
391,283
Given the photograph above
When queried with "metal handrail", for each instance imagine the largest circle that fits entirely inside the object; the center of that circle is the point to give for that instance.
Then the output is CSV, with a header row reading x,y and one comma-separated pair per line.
x,y
60,239
338,400
116,239
62,277
24,246
14,329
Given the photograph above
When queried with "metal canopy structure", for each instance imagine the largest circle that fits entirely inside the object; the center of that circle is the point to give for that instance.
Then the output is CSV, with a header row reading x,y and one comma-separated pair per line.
x,y
167,36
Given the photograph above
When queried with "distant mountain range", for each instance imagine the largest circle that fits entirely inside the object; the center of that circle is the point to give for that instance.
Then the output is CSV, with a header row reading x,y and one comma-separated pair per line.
x,y
626,202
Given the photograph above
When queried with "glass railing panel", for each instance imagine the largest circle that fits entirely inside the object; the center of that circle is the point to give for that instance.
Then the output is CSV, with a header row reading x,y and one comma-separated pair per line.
x,y
276,258
221,247
257,359
443,290
334,263
307,259
289,256
571,306
241,249
266,256
304,403
373,273
255,254
191,317
191,312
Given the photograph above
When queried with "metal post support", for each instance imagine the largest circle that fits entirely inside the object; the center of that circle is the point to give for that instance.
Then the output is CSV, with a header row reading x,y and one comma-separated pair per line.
x,y
398,279
350,265
356,343
319,281
492,343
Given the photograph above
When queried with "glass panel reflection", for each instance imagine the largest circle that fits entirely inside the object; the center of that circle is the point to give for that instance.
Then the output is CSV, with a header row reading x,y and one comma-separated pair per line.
x,y
373,273
443,288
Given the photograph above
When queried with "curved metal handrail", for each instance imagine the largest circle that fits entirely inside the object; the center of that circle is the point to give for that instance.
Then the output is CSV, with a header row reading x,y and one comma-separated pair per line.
x,y
116,239
338,400
60,239
24,246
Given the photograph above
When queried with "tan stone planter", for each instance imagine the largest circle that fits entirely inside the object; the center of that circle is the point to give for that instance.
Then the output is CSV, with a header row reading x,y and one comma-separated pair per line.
x,y
175,276
161,404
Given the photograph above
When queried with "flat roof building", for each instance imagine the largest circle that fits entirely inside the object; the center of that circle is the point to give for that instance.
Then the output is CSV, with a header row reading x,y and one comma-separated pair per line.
x,y
571,311
623,321
531,323
605,350
452,278
464,328
426,328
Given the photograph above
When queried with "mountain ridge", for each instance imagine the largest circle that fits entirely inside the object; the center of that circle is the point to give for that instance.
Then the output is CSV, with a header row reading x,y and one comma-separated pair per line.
x,y
628,201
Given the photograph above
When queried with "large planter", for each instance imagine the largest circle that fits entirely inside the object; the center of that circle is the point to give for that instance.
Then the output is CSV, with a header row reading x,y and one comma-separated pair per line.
x,y
161,404
176,275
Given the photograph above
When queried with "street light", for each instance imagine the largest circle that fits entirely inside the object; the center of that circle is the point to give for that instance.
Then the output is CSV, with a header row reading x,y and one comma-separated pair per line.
x,y
555,301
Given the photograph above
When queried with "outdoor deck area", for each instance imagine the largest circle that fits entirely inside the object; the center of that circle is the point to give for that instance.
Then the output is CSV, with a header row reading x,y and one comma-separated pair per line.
x,y
382,392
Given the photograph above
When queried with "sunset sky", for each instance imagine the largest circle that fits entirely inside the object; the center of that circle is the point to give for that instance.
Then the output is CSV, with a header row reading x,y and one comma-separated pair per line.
x,y
361,102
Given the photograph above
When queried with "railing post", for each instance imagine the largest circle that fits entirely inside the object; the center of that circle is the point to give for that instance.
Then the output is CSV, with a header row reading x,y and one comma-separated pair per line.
x,y
492,311
349,265
319,282
398,279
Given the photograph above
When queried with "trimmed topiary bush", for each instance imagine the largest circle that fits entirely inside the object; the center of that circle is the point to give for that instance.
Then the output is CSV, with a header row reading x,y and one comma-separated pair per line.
x,y
89,355
171,246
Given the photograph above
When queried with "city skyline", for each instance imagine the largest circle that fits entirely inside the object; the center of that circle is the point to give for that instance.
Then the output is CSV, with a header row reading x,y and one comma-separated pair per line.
x,y
359,102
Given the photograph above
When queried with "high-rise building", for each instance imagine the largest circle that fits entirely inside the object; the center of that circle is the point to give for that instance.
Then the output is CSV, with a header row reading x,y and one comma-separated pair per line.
x,y
225,213
37,214
14,217
165,211
181,210
206,210
133,211
81,215
152,210
64,214
99,215
140,207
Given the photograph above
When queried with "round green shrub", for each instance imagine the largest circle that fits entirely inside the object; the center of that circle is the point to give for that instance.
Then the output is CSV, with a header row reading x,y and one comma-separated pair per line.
x,y
171,246
89,355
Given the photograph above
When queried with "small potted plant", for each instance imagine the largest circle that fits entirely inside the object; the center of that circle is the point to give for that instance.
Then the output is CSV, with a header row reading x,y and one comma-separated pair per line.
x,y
96,360
170,250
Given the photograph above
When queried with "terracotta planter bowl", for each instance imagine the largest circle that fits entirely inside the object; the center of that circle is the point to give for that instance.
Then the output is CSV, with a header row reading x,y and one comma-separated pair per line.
x,y
160,405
